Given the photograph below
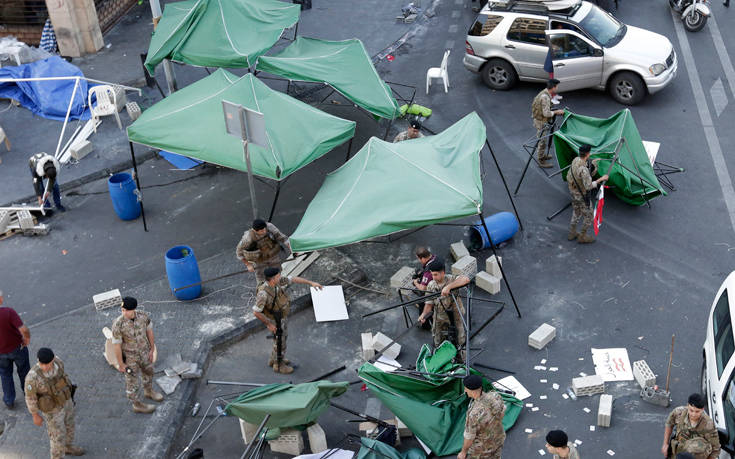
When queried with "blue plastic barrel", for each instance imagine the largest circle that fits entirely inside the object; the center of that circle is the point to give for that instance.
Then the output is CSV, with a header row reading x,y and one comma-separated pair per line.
x,y
182,270
124,200
502,226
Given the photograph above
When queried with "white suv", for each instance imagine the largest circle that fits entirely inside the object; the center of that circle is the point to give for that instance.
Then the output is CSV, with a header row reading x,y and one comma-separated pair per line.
x,y
510,39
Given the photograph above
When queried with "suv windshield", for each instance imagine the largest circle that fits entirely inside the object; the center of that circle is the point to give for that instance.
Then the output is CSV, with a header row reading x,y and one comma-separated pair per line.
x,y
603,27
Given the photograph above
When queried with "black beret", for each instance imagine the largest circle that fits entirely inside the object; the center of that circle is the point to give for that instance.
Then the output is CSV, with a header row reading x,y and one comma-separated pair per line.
x,y
258,224
129,303
270,272
45,355
416,124
557,438
436,265
585,148
472,382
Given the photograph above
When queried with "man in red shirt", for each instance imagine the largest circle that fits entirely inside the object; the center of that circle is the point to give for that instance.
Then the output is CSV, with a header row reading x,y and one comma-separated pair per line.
x,y
14,339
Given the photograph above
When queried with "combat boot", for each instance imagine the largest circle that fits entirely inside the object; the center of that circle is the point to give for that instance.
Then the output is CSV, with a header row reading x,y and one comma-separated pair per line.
x,y
140,407
282,368
583,238
545,164
72,450
153,395
572,233
284,360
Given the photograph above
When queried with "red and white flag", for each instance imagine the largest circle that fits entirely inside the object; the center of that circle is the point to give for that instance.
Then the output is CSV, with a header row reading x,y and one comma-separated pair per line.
x,y
597,221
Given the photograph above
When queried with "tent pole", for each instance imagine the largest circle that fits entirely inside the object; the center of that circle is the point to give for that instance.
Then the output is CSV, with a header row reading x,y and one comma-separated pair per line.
x,y
505,184
349,149
523,174
500,265
137,182
275,200
551,217
66,119
251,184
258,431
387,130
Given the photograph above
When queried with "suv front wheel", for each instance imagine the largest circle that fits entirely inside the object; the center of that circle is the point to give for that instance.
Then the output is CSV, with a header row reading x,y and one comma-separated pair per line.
x,y
499,74
627,88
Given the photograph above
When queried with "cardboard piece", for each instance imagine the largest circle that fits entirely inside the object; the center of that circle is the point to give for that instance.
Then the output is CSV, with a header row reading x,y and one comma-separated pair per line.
x,y
510,382
386,364
329,303
612,364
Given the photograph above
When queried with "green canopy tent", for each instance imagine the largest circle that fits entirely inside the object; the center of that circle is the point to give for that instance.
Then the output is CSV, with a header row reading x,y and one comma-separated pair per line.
x,y
617,142
219,33
190,122
434,411
344,65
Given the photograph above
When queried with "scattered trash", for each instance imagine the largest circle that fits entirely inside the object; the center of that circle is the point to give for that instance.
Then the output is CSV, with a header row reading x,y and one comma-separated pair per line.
x,y
592,428
543,397
542,381
543,362
586,410
529,430
390,57
610,452
571,393
195,410
555,386
535,408
64,252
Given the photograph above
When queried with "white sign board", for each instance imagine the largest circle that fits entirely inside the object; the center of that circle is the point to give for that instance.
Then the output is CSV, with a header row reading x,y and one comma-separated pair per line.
x,y
510,382
245,123
612,364
329,303
387,364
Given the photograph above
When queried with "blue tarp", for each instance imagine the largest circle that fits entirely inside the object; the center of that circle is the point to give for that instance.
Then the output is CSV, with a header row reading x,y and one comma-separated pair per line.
x,y
49,99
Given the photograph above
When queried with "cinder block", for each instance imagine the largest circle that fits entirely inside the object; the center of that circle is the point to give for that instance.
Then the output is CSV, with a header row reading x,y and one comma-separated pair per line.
x,y
248,431
465,266
121,99
492,266
133,110
371,428
588,385
289,442
487,282
403,431
459,250
25,219
367,346
4,220
656,396
643,374
604,411
107,299
541,336
380,341
317,438
81,149
401,278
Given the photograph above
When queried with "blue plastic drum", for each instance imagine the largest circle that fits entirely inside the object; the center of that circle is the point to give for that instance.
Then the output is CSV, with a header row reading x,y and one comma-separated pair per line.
x,y
182,270
502,226
124,200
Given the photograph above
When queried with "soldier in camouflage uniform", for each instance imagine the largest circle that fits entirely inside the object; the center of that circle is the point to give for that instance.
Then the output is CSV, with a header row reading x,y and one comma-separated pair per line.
x,y
48,392
272,302
580,184
695,432
445,310
483,431
413,132
260,248
541,113
558,444
132,336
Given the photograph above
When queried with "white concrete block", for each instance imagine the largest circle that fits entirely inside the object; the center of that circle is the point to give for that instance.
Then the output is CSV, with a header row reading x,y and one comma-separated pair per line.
x,y
604,411
81,149
403,430
289,442
107,299
25,219
492,266
643,374
459,250
541,336
367,346
487,282
4,220
317,438
402,278
380,341
588,385
248,431
465,266
121,99
133,110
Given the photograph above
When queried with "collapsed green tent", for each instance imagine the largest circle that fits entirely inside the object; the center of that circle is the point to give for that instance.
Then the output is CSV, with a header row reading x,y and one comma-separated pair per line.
x,y
345,65
290,405
434,411
190,122
374,449
219,33
390,187
632,175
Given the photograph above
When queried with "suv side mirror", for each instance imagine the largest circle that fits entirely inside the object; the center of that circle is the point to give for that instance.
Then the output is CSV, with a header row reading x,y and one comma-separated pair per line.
x,y
597,52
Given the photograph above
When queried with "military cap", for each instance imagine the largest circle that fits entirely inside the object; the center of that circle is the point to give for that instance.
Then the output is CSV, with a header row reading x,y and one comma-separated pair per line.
x,y
270,272
472,382
45,355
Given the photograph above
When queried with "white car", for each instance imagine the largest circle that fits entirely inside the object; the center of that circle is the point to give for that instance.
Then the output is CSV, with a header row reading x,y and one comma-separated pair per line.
x,y
510,40
718,369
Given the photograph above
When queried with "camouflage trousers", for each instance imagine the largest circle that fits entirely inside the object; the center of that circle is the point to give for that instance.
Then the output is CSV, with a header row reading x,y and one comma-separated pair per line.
x,y
484,453
274,262
581,210
543,136
60,427
441,327
142,371
284,335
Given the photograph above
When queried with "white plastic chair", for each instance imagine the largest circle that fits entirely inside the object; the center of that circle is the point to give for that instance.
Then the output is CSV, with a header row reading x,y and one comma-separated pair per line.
x,y
439,72
106,104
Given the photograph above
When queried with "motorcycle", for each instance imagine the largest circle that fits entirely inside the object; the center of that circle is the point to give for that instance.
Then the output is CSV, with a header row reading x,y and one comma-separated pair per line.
x,y
694,13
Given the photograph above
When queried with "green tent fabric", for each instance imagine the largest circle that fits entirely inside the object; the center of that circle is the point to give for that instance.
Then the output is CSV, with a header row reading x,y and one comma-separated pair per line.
x,y
439,362
632,176
345,65
390,187
219,33
289,405
434,412
190,122
374,449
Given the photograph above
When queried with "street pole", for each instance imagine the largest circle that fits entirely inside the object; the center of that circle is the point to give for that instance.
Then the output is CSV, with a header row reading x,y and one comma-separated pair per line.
x,y
168,68
250,179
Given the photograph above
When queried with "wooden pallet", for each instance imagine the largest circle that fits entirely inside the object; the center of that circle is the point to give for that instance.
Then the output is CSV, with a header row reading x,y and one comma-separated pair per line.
x,y
13,225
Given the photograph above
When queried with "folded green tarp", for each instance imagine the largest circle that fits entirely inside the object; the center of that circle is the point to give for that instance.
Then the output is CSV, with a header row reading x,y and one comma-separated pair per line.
x,y
632,176
374,449
190,122
219,33
434,412
289,405
389,187
345,65
439,362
